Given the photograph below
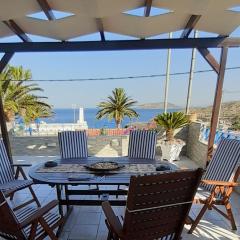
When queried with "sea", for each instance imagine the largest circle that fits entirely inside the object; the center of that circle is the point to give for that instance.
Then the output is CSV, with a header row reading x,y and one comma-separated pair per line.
x,y
71,116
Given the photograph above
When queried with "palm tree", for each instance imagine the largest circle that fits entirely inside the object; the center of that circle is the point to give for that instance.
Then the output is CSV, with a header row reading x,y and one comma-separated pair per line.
x,y
170,122
18,95
117,107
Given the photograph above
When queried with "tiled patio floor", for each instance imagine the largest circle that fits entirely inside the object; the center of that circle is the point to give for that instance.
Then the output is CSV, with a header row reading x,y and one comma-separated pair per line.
x,y
87,222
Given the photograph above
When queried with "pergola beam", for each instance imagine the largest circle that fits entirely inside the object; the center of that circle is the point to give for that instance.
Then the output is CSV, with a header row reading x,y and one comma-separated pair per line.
x,y
100,28
3,63
46,9
148,6
219,69
217,101
193,20
210,59
5,60
149,44
13,26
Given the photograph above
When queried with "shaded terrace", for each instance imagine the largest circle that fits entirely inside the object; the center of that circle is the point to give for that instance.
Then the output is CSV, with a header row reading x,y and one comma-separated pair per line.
x,y
88,222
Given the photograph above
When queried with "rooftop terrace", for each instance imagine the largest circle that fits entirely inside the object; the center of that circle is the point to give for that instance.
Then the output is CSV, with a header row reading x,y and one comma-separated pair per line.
x,y
216,19
87,222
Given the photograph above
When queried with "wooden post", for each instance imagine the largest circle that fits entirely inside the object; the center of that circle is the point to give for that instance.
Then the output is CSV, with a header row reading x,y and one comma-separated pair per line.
x,y
217,102
14,27
167,77
3,63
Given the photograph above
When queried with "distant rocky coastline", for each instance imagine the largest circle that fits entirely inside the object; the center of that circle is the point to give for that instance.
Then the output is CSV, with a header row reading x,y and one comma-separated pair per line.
x,y
228,117
228,110
159,105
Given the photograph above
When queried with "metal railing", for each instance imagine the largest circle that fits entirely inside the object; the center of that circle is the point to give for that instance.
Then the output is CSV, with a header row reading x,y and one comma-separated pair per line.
x,y
204,135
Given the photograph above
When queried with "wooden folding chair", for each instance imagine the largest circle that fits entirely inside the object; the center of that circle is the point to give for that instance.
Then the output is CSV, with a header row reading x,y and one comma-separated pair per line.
x,y
142,144
28,222
73,144
10,182
219,180
157,206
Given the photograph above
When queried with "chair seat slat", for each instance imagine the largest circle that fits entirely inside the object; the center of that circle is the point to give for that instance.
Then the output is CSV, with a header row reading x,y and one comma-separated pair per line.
x,y
155,216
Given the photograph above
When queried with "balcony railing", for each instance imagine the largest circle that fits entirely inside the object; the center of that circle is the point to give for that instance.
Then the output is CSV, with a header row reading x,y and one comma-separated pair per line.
x,y
204,135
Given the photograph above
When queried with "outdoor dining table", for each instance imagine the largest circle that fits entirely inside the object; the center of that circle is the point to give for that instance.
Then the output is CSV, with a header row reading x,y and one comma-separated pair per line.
x,y
73,172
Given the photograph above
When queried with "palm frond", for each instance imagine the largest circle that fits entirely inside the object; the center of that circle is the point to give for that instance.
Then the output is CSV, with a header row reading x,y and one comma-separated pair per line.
x,y
173,120
117,106
19,96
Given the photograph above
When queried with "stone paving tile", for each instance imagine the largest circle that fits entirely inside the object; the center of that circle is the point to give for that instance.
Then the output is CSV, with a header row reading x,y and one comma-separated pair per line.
x,y
87,222
102,236
90,218
95,209
83,232
102,226
64,236
71,221
212,230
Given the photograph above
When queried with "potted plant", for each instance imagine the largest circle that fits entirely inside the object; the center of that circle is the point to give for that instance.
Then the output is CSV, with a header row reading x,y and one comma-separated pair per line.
x,y
192,117
170,146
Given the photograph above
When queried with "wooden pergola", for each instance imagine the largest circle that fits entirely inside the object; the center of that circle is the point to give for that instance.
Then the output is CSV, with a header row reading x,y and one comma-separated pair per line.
x,y
111,16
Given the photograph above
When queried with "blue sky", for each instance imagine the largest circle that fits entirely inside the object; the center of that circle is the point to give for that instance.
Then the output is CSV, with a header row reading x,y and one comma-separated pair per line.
x,y
125,63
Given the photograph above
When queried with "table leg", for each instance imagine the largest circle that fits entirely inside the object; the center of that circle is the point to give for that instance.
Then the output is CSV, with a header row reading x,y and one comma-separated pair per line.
x,y
67,197
59,196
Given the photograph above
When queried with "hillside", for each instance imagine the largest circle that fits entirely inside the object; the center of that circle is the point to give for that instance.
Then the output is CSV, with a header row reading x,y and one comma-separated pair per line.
x,y
229,110
157,106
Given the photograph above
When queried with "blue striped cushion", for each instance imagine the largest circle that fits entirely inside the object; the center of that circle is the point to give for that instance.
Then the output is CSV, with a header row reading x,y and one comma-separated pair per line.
x,y
6,171
224,163
73,144
142,144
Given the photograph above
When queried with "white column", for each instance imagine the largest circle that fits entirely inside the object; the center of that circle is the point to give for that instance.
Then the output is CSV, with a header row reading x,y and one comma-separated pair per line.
x,y
81,115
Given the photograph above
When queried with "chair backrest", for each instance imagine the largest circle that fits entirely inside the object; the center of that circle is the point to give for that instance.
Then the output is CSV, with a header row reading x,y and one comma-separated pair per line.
x,y
6,171
73,144
224,163
142,144
157,205
9,225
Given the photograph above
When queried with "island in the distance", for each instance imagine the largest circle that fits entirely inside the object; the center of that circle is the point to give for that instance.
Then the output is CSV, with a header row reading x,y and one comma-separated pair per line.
x,y
159,105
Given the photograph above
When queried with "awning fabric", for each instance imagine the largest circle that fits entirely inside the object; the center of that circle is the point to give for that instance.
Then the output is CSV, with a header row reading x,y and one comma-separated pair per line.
x,y
217,16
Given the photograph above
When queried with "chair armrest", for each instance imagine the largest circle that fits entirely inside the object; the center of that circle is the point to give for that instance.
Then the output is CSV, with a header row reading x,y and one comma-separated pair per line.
x,y
20,170
221,183
39,213
21,165
112,219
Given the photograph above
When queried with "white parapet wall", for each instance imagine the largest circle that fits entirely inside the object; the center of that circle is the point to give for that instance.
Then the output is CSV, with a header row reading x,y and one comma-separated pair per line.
x,y
196,149
50,129
53,128
48,145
